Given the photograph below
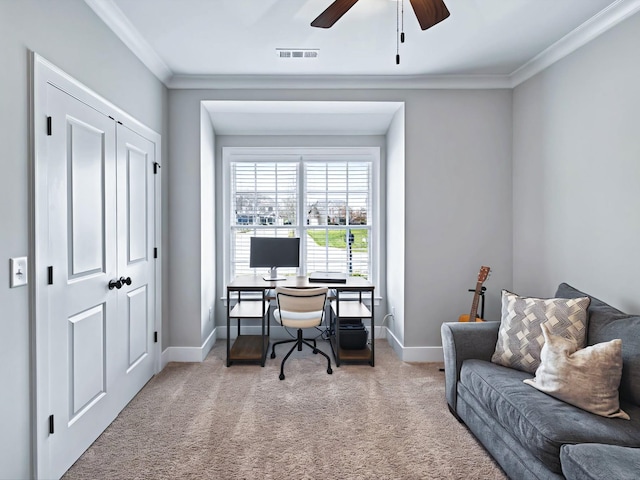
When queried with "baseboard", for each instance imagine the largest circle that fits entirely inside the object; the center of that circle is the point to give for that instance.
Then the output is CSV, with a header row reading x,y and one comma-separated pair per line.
x,y
208,344
198,354
414,354
189,354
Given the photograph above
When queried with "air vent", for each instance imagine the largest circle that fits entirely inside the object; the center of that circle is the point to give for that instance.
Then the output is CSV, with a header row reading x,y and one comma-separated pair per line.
x,y
297,53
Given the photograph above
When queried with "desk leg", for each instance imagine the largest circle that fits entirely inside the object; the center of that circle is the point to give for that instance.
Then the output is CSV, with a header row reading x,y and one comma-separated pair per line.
x,y
373,334
228,330
264,339
337,329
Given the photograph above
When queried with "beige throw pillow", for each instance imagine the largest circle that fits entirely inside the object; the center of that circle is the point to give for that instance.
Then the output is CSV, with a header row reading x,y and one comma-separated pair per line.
x,y
587,378
520,337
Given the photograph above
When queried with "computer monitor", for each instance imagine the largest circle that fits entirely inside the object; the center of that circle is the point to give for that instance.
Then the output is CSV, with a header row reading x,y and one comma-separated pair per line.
x,y
273,252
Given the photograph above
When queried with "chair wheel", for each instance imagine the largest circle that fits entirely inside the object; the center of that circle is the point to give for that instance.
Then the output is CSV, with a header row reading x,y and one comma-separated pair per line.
x,y
315,351
282,376
329,371
273,354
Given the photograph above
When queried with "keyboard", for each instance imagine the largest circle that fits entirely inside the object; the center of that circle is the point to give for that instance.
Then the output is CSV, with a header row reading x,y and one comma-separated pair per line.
x,y
328,277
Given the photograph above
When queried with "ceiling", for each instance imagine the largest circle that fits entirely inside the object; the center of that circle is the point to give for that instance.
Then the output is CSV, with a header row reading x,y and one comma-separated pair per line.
x,y
234,43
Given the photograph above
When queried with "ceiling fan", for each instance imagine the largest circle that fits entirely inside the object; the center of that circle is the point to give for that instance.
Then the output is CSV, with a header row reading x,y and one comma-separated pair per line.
x,y
428,12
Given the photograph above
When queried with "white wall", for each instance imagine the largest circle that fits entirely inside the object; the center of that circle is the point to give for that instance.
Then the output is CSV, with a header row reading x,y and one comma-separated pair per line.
x,y
207,221
458,206
577,172
395,232
68,34
457,196
185,216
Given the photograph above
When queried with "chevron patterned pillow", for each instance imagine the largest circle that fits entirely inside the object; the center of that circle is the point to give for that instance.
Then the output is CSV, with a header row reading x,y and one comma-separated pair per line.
x,y
520,336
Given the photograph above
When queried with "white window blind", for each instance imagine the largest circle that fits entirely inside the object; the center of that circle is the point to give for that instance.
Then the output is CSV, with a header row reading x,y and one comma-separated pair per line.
x,y
338,203
264,203
328,204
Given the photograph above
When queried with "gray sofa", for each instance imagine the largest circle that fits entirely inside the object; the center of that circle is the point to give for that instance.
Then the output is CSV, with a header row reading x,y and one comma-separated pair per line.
x,y
529,433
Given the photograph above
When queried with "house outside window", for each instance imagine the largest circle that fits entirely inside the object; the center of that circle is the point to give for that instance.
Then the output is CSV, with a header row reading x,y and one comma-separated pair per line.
x,y
326,196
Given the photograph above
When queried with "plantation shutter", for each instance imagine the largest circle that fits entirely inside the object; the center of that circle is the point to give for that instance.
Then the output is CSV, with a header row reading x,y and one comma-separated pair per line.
x,y
338,211
264,199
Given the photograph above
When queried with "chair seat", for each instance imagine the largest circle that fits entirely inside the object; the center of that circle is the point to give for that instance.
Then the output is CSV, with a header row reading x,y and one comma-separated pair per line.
x,y
297,319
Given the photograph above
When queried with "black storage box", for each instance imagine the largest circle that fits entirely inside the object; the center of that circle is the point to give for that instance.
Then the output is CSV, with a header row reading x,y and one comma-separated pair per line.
x,y
353,336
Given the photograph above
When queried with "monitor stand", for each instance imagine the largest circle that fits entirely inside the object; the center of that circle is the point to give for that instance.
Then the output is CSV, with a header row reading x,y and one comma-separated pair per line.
x,y
273,275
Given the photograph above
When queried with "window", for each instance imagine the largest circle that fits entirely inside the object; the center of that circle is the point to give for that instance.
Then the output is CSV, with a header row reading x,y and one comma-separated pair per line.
x,y
324,196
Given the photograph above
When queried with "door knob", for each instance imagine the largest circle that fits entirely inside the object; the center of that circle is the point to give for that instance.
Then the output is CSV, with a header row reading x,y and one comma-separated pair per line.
x,y
125,281
115,284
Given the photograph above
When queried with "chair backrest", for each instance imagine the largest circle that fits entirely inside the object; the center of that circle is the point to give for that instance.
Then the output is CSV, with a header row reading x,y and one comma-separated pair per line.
x,y
301,307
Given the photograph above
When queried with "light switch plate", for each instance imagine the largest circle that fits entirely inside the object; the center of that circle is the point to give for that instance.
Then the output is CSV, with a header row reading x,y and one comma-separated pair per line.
x,y
18,270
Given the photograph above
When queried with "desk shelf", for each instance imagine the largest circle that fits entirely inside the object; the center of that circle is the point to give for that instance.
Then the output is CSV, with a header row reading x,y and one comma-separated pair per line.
x,y
247,348
352,309
363,355
249,309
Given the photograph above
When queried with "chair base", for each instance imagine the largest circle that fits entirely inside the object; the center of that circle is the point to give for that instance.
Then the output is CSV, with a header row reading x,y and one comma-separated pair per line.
x,y
298,342
293,340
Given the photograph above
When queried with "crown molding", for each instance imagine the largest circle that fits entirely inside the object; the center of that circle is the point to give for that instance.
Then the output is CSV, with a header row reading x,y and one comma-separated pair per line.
x,y
339,82
117,21
585,33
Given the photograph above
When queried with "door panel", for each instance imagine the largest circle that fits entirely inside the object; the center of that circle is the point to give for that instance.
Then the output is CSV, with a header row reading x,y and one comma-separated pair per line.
x,y
86,201
87,358
138,324
137,164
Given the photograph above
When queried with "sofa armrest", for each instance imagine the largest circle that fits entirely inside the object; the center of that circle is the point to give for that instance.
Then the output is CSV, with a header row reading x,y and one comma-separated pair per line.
x,y
462,341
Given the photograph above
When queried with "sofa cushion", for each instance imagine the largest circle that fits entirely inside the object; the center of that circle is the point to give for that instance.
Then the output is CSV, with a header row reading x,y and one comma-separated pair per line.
x,y
585,377
594,461
539,422
520,337
627,329
608,323
567,291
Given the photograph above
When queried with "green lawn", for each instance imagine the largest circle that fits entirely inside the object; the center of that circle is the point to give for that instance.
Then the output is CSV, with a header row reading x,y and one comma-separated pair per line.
x,y
337,239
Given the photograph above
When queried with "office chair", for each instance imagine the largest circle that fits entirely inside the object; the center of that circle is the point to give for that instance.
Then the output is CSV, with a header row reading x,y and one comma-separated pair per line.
x,y
300,308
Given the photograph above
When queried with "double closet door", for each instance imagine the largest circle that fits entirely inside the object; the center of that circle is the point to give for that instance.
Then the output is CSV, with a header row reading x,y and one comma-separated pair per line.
x,y
101,291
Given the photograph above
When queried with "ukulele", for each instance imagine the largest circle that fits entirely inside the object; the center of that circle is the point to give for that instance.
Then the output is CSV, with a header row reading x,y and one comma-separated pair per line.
x,y
482,276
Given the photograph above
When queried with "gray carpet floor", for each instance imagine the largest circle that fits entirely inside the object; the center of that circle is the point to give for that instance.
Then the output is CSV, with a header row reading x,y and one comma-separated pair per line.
x,y
207,421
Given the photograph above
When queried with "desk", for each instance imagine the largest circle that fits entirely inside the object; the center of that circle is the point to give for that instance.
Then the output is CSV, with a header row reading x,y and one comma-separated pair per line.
x,y
255,347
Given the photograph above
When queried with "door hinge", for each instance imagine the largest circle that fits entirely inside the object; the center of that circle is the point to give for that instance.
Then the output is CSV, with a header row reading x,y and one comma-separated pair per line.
x,y
155,337
156,167
49,126
50,275
50,424
155,252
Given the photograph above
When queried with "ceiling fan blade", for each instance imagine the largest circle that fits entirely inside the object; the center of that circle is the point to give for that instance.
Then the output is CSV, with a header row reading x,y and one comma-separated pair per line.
x,y
333,13
429,12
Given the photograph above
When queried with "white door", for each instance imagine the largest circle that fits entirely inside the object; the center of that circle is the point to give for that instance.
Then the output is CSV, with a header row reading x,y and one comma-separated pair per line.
x,y
100,230
136,299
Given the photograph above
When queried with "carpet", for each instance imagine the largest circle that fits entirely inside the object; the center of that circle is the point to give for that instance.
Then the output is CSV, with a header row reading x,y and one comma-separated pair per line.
x,y
207,421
